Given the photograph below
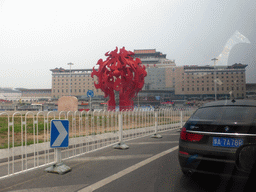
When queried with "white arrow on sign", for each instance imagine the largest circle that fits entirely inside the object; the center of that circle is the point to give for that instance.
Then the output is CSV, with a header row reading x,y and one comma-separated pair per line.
x,y
62,135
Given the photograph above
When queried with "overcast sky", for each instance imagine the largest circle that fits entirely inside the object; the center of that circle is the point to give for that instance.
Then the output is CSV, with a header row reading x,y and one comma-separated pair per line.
x,y
36,36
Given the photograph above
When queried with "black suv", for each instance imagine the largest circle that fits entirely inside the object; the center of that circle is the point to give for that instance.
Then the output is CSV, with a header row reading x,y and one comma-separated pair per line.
x,y
210,138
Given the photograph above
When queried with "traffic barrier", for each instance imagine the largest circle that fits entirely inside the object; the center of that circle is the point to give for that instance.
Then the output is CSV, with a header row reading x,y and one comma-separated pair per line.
x,y
25,138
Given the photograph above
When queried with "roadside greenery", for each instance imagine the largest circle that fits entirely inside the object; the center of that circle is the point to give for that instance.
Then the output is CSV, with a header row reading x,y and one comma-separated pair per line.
x,y
31,130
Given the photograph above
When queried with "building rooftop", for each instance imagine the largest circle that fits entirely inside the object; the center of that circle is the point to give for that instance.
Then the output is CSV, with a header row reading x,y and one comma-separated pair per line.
x,y
68,70
23,89
146,51
234,66
8,90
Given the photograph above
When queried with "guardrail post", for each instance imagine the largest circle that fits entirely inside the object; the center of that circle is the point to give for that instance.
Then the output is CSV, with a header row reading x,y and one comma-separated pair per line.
x,y
156,135
121,144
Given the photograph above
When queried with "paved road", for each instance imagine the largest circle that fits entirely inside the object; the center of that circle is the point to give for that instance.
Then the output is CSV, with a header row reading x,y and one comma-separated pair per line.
x,y
148,165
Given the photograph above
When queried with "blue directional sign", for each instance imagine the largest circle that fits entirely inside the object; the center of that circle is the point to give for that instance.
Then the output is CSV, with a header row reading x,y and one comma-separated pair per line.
x,y
59,133
90,93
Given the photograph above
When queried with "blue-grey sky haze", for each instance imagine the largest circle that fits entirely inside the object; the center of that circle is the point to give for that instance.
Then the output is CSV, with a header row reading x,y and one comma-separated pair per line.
x,y
36,36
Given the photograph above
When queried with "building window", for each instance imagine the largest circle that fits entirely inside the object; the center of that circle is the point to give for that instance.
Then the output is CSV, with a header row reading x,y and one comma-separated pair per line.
x,y
207,88
188,89
202,89
192,89
182,89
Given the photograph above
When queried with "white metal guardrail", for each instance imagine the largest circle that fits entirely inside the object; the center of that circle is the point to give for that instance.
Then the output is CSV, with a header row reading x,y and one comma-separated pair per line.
x,y
25,138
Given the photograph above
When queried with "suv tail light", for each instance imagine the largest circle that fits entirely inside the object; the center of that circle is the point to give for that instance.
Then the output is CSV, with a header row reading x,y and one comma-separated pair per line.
x,y
189,136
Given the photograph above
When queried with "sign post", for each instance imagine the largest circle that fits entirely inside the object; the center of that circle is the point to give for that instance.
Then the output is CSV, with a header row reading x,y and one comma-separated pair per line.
x,y
59,139
90,94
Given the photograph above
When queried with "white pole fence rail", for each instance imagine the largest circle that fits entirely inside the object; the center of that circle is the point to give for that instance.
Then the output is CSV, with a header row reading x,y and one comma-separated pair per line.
x,y
25,137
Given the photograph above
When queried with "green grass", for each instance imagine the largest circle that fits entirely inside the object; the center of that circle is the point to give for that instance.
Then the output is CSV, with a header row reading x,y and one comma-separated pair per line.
x,y
87,120
17,144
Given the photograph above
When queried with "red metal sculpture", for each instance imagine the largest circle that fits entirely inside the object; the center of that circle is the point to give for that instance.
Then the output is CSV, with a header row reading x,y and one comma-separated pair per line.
x,y
120,72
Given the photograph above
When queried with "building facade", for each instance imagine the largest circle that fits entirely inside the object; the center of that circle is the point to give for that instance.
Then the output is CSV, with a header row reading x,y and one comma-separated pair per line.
x,y
10,94
159,70
152,58
39,93
251,90
74,82
199,81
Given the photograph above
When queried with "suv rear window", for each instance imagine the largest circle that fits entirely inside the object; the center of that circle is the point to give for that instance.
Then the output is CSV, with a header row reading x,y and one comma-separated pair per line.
x,y
225,113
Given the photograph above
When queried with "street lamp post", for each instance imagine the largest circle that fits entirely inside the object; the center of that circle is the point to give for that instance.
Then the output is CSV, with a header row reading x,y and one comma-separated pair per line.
x,y
215,91
70,78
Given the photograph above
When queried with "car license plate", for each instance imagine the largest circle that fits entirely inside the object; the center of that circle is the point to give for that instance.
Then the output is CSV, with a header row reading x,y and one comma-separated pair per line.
x,y
227,142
